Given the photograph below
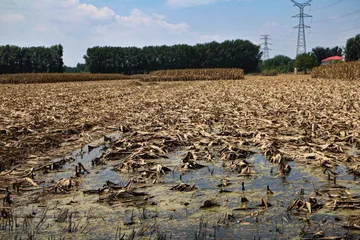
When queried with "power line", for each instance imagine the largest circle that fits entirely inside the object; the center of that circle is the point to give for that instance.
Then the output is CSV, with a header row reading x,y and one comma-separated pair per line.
x,y
301,43
339,17
327,6
290,34
285,36
266,44
340,31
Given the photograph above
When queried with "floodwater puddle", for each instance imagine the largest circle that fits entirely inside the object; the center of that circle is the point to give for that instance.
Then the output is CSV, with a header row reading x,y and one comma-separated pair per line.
x,y
212,201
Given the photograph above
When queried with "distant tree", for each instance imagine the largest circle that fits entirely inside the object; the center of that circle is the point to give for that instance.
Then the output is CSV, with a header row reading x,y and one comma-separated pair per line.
x,y
305,61
352,49
336,51
14,59
68,69
80,68
132,60
280,63
321,53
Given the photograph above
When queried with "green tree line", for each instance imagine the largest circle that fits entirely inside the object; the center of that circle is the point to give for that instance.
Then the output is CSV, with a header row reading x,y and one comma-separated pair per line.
x,y
283,64
79,68
352,50
14,59
280,63
321,53
132,60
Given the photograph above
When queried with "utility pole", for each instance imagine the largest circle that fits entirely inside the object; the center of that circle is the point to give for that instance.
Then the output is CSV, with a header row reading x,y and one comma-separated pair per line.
x,y
301,42
266,48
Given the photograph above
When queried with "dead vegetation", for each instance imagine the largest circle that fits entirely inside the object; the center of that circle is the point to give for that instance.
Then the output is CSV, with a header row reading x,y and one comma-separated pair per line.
x,y
344,71
195,74
291,117
57,77
161,75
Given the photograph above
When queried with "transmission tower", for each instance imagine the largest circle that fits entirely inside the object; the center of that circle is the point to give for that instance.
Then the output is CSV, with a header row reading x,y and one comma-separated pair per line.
x,y
301,42
266,46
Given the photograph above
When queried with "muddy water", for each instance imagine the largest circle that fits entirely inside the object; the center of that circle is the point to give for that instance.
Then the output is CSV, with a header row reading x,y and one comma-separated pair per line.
x,y
177,214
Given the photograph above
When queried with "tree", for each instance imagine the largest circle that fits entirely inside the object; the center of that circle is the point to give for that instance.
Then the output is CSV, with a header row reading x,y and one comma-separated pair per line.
x,y
133,60
321,53
279,63
305,61
352,49
337,51
80,68
14,59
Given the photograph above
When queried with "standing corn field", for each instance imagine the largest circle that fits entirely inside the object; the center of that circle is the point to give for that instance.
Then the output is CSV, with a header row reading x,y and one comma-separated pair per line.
x,y
196,74
57,77
346,71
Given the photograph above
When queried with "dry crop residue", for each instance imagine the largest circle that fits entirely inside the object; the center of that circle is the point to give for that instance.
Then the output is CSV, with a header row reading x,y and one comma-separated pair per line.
x,y
316,121
180,150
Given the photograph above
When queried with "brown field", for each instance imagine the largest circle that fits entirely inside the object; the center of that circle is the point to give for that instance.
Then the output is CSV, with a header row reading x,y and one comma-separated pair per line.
x,y
36,119
284,118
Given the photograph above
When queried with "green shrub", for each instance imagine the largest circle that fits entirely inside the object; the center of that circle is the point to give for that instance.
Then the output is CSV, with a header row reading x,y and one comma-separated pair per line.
x,y
281,63
270,72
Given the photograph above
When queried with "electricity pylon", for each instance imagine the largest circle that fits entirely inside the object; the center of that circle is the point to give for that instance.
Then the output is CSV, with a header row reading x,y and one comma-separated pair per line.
x,y
266,46
301,42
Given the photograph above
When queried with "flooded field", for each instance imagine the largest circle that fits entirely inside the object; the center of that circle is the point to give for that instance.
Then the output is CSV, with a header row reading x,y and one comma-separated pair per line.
x,y
247,197
252,159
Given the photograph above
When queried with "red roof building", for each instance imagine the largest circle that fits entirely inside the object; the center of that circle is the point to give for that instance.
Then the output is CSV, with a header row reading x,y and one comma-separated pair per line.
x,y
332,59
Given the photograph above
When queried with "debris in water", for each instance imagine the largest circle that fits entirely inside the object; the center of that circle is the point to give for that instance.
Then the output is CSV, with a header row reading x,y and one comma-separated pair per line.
x,y
265,203
210,204
183,187
309,206
268,190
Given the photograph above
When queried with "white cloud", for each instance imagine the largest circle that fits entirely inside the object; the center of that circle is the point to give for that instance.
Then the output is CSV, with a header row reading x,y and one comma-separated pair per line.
x,y
11,17
78,25
210,38
158,16
271,27
96,13
41,27
270,24
193,3
68,3
138,19
190,3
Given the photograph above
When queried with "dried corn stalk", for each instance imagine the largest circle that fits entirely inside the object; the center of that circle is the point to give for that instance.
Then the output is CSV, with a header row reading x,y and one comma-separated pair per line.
x,y
57,77
195,74
346,71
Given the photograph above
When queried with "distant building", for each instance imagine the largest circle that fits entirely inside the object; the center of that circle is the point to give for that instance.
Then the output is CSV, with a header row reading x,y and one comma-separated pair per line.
x,y
332,59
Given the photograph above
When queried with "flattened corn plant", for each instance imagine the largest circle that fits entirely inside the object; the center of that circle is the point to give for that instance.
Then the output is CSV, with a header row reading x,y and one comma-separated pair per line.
x,y
311,120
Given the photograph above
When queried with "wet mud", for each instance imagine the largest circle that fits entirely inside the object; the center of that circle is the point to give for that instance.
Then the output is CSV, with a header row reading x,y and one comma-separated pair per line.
x,y
181,194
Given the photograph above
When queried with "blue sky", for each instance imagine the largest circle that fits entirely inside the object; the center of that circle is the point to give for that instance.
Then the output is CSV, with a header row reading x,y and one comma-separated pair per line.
x,y
79,24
